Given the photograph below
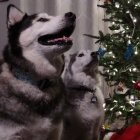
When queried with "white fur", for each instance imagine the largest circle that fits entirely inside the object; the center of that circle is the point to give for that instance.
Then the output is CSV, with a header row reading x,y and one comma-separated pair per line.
x,y
37,29
79,76
81,113
108,136
41,56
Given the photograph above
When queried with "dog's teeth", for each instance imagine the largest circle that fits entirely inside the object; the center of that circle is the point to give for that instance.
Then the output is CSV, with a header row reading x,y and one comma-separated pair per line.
x,y
51,41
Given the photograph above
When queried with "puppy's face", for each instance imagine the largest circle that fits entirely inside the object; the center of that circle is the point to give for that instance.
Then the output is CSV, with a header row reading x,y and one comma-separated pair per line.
x,y
85,60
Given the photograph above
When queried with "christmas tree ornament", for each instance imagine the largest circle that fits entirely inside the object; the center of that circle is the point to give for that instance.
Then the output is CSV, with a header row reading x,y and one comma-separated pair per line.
x,y
121,88
129,51
101,52
137,85
130,133
106,126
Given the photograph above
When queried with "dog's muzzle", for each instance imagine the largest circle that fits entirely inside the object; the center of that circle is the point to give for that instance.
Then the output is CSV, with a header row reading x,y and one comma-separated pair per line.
x,y
70,16
61,36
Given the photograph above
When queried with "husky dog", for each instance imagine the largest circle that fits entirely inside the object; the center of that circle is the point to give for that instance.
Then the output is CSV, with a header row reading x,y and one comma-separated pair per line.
x,y
31,90
84,100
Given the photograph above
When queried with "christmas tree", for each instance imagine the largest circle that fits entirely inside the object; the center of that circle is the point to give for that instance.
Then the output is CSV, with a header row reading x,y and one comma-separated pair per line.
x,y
119,53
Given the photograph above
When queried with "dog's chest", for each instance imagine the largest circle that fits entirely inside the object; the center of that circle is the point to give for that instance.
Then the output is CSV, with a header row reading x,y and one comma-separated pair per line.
x,y
87,106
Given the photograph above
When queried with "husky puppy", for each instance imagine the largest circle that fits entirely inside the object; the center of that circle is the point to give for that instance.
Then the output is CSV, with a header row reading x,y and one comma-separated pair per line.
x,y
84,100
31,90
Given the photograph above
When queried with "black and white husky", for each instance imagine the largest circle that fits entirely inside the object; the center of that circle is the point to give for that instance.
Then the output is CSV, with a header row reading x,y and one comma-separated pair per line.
x,y
84,100
31,91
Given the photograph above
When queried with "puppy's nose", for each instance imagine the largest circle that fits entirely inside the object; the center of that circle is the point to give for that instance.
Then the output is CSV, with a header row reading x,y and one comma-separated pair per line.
x,y
94,54
70,16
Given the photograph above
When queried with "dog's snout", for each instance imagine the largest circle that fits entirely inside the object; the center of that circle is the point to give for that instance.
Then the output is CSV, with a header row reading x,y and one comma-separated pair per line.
x,y
94,54
70,16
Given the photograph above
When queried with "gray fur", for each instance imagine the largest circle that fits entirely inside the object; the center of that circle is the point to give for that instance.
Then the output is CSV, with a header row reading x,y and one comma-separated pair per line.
x,y
28,111
83,118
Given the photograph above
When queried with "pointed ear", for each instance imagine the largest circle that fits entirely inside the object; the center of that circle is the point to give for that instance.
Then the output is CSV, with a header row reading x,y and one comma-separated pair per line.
x,y
14,15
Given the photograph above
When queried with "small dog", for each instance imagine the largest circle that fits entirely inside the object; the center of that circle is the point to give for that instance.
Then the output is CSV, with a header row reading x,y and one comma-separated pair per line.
x,y
84,112
31,89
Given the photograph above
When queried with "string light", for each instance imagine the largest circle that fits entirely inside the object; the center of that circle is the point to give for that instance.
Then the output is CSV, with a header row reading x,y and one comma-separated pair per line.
x,y
136,51
134,69
132,103
111,109
138,4
113,56
127,11
114,73
110,66
115,101
119,113
134,20
110,53
127,28
117,5
104,105
132,97
133,81
130,70
107,71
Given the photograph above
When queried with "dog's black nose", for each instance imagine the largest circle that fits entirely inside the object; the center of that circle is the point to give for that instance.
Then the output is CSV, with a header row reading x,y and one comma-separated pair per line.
x,y
70,16
94,55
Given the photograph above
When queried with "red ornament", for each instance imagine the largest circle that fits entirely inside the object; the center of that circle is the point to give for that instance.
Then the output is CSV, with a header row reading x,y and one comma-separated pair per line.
x,y
130,133
120,88
137,85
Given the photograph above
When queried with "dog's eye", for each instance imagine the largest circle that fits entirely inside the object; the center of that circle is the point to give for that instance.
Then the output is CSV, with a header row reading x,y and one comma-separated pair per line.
x,y
80,55
43,20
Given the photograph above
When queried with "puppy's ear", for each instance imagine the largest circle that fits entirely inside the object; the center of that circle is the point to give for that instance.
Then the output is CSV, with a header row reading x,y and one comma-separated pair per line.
x,y
14,15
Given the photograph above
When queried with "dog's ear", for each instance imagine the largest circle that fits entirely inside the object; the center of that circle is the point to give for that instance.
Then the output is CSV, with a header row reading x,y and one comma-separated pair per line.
x,y
14,15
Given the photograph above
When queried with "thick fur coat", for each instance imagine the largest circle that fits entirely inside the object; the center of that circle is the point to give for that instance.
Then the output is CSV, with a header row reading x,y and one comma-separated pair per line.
x,y
84,112
31,90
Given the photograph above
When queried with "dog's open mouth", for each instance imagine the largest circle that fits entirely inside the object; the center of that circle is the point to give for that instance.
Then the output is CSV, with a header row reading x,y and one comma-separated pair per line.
x,y
60,38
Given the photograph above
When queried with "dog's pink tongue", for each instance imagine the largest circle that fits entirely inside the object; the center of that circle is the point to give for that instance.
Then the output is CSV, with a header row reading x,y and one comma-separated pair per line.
x,y
64,38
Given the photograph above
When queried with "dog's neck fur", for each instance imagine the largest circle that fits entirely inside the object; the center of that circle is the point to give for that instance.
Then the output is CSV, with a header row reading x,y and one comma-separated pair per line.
x,y
24,65
82,88
25,76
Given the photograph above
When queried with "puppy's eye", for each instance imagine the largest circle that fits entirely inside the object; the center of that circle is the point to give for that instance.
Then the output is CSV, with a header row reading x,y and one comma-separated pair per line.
x,y
43,19
80,55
